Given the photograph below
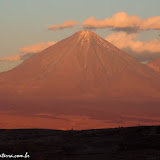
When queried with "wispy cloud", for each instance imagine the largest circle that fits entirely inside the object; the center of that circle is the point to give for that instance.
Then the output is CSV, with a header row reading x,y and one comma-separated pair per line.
x,y
67,24
28,51
123,22
11,58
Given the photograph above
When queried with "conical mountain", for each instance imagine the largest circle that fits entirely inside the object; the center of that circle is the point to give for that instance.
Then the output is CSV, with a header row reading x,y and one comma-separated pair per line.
x,y
81,66
83,82
155,64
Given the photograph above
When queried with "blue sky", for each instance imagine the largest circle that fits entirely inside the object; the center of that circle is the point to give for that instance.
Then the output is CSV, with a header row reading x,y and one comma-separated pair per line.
x,y
24,22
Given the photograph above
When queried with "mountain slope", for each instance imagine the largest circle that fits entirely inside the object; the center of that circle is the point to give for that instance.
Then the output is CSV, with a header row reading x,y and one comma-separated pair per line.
x,y
82,66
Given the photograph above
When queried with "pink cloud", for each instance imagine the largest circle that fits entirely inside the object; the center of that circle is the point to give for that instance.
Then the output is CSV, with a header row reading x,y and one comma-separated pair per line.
x,y
11,58
123,20
151,23
36,48
67,24
28,51
123,40
118,20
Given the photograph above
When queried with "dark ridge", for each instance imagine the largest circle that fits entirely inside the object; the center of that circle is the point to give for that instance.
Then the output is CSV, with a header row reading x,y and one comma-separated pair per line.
x,y
132,143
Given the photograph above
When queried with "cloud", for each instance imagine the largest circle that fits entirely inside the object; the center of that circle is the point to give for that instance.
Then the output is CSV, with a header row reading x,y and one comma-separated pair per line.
x,y
128,30
124,40
36,48
128,42
26,55
151,23
11,58
28,51
123,22
143,57
67,24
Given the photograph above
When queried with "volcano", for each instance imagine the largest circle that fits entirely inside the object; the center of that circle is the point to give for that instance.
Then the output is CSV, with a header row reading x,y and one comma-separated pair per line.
x,y
81,66
155,64
83,75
